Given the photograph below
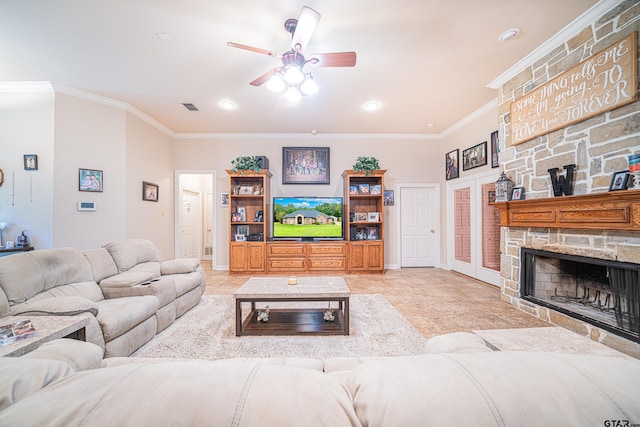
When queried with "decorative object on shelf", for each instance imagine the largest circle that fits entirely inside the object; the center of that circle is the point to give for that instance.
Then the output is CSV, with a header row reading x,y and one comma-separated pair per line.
x,y
328,315
366,165
292,280
305,165
3,225
475,156
258,216
562,185
388,198
242,163
263,162
517,193
373,216
363,189
90,180
30,162
243,229
263,314
495,149
241,238
22,240
503,188
452,160
246,190
634,170
243,213
372,233
224,200
257,190
619,181
150,191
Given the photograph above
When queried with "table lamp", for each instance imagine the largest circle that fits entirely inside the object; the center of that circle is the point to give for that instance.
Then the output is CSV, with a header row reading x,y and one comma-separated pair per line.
x,y
3,225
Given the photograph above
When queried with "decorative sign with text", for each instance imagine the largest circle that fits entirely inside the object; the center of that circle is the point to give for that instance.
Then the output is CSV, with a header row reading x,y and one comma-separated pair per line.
x,y
600,83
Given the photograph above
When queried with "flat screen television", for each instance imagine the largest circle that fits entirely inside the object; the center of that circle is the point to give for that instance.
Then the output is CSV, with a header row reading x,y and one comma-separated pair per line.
x,y
307,218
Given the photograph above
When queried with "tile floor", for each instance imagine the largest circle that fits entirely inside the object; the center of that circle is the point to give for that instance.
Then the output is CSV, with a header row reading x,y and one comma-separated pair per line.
x,y
435,301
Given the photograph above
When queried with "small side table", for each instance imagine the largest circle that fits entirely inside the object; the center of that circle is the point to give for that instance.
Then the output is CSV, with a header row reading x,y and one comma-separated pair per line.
x,y
11,251
48,328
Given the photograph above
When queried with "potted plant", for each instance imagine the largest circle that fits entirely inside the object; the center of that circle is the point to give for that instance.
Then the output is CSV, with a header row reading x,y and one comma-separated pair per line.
x,y
245,163
366,164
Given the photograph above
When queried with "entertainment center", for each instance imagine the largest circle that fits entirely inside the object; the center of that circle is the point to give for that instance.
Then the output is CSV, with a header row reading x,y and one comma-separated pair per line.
x,y
299,235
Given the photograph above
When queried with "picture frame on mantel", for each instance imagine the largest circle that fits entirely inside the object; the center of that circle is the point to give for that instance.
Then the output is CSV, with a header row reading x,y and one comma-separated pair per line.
x,y
305,165
475,156
619,181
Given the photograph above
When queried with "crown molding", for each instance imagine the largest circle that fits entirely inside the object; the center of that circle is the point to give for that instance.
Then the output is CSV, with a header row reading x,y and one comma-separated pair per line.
x,y
23,87
493,104
588,17
308,136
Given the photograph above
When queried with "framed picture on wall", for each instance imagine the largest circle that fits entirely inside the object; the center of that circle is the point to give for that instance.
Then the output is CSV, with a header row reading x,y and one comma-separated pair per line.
x,y
302,165
90,180
475,156
31,162
150,191
388,197
224,199
495,143
452,160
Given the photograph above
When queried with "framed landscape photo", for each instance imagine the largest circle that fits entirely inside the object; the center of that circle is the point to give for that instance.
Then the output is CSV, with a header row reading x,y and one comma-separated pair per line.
x,y
90,180
31,162
619,181
475,156
494,149
150,191
452,160
305,165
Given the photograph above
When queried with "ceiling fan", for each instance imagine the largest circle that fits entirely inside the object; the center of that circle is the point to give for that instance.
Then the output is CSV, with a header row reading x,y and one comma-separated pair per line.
x,y
290,76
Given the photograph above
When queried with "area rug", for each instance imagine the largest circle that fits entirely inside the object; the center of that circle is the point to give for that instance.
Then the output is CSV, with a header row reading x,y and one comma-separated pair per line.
x,y
208,332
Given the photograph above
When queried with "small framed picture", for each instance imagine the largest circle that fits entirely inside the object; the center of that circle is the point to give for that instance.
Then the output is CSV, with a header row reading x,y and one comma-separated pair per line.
x,y
243,229
236,217
475,156
246,190
361,216
242,211
241,238
619,181
360,234
150,191
373,216
90,180
31,162
372,233
375,190
452,159
495,142
224,199
517,193
258,216
353,190
388,197
363,189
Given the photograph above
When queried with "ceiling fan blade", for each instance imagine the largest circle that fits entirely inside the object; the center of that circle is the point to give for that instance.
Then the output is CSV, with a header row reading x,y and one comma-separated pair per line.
x,y
307,24
263,78
336,59
252,49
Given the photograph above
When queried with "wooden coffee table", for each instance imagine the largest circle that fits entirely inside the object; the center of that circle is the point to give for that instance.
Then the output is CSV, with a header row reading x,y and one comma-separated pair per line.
x,y
48,328
294,320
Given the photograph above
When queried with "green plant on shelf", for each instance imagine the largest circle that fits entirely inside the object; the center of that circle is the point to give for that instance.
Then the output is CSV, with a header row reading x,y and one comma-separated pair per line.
x,y
366,164
243,163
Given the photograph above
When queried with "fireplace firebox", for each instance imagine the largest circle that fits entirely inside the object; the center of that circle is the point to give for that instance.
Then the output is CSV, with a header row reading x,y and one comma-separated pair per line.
x,y
601,292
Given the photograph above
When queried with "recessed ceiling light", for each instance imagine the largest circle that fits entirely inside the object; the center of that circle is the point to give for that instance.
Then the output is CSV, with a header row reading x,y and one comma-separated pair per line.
x,y
510,34
371,105
163,36
227,105
430,125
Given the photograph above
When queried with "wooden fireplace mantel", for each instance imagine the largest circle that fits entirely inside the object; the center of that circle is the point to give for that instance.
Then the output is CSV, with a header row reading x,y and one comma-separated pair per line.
x,y
614,210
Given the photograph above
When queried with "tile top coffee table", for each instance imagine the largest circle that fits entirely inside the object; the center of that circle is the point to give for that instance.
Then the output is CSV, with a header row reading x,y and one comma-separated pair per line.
x,y
297,320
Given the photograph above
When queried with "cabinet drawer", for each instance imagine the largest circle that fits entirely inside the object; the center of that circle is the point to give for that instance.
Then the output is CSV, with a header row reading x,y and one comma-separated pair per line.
x,y
327,250
288,250
282,264
326,263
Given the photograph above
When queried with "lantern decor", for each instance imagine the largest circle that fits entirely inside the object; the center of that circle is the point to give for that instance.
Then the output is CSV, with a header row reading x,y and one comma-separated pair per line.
x,y
503,188
634,169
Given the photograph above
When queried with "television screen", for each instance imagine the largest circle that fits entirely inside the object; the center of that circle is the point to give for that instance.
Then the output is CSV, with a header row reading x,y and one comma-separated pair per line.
x,y
307,217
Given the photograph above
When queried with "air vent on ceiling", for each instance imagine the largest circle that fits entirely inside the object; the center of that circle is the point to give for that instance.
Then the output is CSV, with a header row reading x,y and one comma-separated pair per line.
x,y
190,107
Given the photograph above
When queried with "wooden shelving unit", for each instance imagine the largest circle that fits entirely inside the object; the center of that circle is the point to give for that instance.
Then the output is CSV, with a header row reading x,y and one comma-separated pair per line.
x,y
364,221
249,193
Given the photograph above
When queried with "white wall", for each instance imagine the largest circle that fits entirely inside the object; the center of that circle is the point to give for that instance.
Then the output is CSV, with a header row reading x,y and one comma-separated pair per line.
x,y
26,127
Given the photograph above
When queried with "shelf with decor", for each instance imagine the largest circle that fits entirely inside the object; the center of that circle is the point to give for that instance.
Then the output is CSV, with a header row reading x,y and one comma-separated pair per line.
x,y
249,202
364,220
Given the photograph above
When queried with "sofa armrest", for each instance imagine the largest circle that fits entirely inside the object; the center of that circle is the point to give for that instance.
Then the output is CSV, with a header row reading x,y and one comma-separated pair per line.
x,y
56,306
78,354
179,266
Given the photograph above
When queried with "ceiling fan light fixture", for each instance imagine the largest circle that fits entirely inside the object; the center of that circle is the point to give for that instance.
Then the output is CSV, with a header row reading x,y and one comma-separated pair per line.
x,y
276,83
293,74
292,94
309,86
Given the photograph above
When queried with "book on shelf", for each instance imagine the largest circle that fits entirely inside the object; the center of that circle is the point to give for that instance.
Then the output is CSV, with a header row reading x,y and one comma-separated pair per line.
x,y
16,331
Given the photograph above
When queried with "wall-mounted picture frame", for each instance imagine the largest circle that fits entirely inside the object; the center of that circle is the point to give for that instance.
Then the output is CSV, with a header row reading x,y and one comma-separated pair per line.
x,y
517,193
619,181
388,198
475,156
30,162
495,149
305,165
150,191
452,160
224,200
90,180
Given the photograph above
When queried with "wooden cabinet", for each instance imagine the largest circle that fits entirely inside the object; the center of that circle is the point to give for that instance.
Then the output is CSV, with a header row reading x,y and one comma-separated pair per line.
x,y
364,220
249,205
303,257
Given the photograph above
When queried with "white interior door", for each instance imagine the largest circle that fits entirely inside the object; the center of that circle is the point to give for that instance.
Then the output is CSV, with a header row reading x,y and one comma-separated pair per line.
x,y
190,224
208,227
419,210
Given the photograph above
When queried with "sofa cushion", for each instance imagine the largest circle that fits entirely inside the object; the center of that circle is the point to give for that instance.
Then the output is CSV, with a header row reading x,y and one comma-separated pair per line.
x,y
180,265
149,267
456,342
63,306
118,315
131,252
495,388
185,283
22,377
194,393
79,355
89,290
101,263
26,274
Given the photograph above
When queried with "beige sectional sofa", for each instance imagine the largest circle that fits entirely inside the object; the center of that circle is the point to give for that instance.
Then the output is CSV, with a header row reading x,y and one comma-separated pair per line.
x,y
450,385
124,288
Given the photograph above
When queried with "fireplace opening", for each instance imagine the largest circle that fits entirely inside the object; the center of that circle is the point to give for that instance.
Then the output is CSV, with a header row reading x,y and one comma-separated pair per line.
x,y
601,292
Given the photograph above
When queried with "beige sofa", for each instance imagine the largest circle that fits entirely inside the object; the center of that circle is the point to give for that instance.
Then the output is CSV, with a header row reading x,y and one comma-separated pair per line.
x,y
124,289
452,384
